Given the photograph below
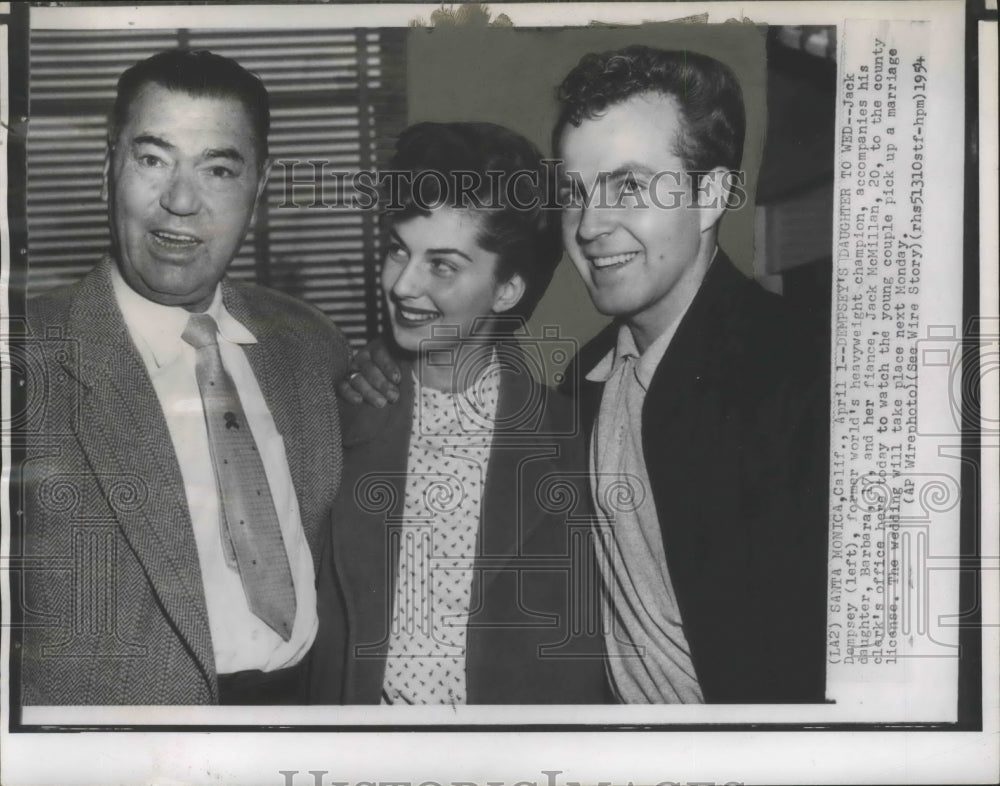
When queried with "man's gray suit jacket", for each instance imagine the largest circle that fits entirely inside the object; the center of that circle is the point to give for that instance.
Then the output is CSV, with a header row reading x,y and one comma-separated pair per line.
x,y
114,610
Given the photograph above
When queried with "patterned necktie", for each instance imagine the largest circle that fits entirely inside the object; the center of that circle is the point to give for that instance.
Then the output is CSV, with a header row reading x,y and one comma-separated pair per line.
x,y
251,535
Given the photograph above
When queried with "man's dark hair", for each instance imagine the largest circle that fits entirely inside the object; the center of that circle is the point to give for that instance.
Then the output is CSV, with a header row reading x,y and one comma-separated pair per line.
x,y
196,72
497,174
708,96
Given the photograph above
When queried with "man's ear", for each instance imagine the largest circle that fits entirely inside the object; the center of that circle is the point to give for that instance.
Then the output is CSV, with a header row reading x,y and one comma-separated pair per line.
x,y
508,294
265,173
712,196
104,177
262,176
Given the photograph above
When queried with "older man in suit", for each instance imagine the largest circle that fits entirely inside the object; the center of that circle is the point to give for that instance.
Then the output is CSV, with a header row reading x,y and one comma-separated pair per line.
x,y
187,451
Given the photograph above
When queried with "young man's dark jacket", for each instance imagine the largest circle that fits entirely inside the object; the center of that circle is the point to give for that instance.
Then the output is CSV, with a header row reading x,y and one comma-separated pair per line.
x,y
735,435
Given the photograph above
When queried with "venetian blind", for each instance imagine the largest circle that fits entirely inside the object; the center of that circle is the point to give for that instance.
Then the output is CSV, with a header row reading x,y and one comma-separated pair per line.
x,y
337,97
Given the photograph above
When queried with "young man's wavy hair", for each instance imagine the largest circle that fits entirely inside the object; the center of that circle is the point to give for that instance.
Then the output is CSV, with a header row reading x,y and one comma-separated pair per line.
x,y
708,96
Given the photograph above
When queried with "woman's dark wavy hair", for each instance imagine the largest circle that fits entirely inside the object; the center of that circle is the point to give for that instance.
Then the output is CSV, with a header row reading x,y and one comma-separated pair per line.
x,y
708,95
503,180
196,72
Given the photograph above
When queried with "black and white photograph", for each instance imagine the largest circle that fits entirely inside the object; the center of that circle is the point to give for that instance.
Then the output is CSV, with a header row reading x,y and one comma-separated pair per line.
x,y
502,393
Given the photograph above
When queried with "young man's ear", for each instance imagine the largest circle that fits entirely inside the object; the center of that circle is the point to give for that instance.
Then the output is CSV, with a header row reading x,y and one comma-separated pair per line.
x,y
713,193
508,293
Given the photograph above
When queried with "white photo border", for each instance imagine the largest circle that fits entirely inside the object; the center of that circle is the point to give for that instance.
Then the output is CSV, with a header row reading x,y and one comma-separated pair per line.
x,y
727,747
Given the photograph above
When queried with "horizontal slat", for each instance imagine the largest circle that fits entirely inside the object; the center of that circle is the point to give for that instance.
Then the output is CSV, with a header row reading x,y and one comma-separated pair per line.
x,y
315,217
326,198
328,146
53,158
328,254
227,39
303,111
347,283
53,240
286,227
67,194
341,312
281,57
54,56
70,220
299,237
60,171
106,96
125,49
46,130
343,138
40,122
52,37
347,161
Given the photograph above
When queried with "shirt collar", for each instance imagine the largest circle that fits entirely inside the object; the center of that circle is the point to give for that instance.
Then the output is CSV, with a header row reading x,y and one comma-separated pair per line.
x,y
475,407
626,348
654,353
487,381
159,327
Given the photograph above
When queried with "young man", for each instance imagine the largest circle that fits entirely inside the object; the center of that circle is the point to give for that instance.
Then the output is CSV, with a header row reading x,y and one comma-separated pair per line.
x,y
705,401
704,396
186,456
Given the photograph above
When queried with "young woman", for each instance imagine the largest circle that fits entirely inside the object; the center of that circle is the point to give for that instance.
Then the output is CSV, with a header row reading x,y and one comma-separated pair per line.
x,y
458,570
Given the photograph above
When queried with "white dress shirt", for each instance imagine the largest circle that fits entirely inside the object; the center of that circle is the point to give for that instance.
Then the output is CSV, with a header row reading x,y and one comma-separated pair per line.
x,y
240,639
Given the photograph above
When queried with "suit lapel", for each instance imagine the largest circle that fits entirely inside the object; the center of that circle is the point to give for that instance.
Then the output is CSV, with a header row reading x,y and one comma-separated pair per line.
x,y
694,370
519,460
697,357
123,433
365,544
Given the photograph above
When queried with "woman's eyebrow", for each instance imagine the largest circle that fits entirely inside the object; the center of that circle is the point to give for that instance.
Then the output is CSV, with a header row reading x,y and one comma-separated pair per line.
x,y
456,251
